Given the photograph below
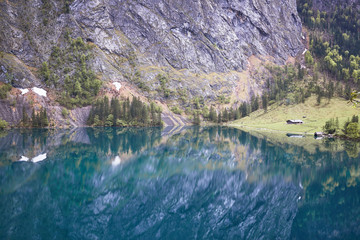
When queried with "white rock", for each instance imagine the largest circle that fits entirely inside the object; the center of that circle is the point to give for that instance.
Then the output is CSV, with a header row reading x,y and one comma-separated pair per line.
x,y
39,158
23,159
304,51
116,161
117,85
39,91
23,91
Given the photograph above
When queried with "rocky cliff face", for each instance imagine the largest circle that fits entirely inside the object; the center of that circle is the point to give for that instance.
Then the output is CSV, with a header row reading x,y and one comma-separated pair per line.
x,y
201,46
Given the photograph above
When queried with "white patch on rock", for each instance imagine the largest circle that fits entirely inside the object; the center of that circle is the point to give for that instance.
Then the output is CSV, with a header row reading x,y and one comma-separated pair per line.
x,y
23,91
39,158
39,91
117,85
304,51
116,161
23,159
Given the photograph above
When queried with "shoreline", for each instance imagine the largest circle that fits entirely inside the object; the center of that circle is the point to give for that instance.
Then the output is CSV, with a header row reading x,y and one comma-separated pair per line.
x,y
268,129
328,136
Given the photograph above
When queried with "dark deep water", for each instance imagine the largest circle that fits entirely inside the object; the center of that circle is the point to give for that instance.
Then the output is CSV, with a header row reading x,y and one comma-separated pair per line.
x,y
194,183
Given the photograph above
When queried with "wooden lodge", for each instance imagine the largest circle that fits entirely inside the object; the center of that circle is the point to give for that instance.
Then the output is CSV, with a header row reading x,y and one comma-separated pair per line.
x,y
294,122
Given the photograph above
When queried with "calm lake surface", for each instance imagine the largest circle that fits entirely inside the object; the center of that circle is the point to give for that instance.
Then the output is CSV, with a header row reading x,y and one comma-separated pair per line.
x,y
172,183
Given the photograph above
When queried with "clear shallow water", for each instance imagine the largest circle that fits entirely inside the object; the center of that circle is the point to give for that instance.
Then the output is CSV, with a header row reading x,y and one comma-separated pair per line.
x,y
203,183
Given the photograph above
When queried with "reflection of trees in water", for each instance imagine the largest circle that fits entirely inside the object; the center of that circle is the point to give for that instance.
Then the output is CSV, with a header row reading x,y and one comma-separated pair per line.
x,y
216,146
352,148
127,140
331,208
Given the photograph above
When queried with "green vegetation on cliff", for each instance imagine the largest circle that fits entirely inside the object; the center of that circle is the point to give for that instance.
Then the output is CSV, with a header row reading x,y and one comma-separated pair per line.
x,y
79,84
4,89
334,42
3,124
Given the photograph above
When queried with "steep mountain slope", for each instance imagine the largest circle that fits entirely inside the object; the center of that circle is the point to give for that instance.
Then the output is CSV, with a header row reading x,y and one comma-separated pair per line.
x,y
201,47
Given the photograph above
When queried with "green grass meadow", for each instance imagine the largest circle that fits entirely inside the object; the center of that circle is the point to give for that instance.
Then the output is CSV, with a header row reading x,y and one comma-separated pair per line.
x,y
313,115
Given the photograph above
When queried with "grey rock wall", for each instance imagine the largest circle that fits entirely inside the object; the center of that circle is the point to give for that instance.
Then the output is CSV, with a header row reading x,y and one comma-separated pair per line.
x,y
203,35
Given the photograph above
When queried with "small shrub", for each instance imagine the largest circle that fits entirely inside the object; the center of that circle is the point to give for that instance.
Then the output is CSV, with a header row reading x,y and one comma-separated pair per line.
x,y
176,110
4,90
352,130
3,124
65,113
330,127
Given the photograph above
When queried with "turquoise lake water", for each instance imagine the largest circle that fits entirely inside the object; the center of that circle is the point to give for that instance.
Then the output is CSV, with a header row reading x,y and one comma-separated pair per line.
x,y
173,183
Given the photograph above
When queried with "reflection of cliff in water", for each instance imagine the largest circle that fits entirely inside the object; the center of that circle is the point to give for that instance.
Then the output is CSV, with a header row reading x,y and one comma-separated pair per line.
x,y
62,200
145,183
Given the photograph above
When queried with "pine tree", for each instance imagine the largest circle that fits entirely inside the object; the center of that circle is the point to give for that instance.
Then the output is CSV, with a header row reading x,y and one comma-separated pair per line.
x,y
152,113
115,110
213,116
243,109
135,108
225,115
355,119
106,106
124,115
231,115
144,115
237,114
319,94
254,103
44,122
25,117
101,111
196,119
97,121
33,119
265,102
109,120
127,107
90,120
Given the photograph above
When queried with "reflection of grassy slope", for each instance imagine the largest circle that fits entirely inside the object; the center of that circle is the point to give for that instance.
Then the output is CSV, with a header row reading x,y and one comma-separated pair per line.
x,y
316,116
309,144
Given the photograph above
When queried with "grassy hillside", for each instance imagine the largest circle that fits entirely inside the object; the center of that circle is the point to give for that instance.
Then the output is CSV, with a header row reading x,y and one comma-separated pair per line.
x,y
315,116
